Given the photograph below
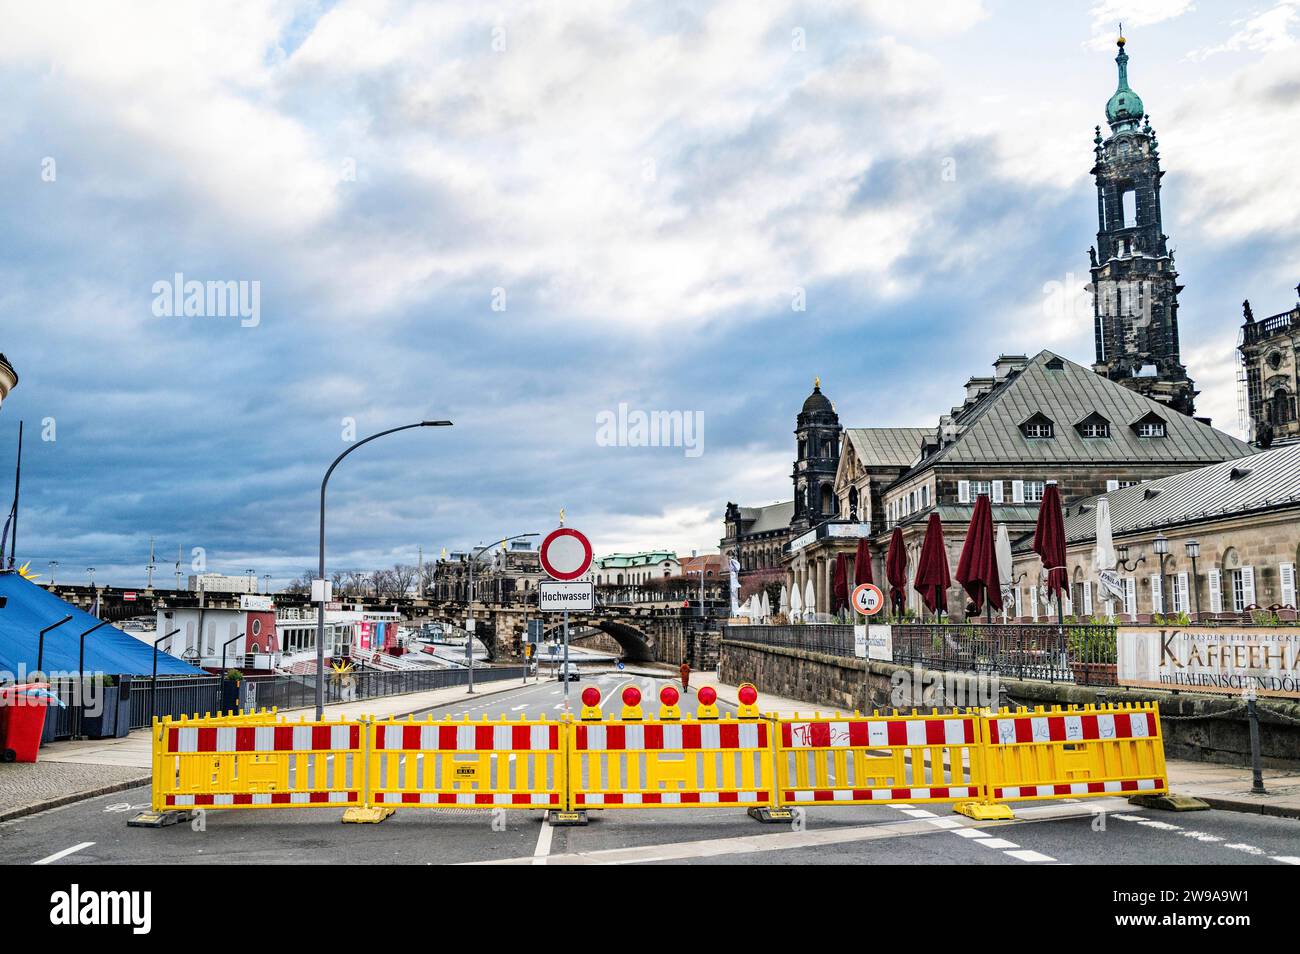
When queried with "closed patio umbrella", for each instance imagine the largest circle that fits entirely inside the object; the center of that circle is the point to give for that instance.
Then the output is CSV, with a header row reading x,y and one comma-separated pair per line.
x,y
1002,547
809,602
977,569
840,584
764,607
862,564
932,577
896,571
796,604
784,606
1110,585
1049,544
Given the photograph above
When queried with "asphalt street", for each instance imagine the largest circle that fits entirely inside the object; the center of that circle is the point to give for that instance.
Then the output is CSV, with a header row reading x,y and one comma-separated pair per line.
x,y
1099,831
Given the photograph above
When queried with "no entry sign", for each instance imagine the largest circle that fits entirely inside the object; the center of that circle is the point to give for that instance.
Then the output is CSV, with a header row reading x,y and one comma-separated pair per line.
x,y
867,599
566,554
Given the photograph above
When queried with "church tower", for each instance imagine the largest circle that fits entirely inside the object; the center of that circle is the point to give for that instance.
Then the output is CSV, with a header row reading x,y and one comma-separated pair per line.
x,y
818,433
1135,285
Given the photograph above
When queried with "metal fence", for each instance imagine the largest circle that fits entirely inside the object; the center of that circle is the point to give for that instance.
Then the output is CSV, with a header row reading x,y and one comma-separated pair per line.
x,y
292,692
1076,653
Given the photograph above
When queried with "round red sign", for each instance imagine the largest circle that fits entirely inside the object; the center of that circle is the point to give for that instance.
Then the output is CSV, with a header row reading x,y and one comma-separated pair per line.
x,y
565,554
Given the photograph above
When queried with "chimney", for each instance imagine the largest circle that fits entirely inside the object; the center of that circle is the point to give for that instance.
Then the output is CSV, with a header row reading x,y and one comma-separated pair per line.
x,y
976,388
1007,364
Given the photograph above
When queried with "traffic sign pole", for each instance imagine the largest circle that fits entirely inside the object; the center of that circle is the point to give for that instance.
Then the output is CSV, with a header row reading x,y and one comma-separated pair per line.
x,y
564,671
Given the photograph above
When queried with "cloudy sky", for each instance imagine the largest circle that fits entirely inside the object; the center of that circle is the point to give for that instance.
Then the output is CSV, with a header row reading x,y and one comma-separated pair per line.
x,y
521,215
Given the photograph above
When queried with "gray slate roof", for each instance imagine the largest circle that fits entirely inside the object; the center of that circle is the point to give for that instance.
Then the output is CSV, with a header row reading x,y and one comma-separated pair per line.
x,y
1273,480
887,446
991,427
775,516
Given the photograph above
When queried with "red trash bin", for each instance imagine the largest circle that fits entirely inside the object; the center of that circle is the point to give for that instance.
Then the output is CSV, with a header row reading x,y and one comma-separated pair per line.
x,y
22,720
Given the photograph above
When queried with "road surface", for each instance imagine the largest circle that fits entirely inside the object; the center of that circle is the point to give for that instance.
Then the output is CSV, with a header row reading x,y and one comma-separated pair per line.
x,y
1105,831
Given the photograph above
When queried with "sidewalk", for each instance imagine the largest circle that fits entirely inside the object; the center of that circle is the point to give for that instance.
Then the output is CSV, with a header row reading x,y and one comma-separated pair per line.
x,y
70,771
1226,787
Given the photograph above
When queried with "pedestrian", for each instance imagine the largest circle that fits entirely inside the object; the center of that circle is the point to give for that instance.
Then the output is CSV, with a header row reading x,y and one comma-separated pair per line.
x,y
686,675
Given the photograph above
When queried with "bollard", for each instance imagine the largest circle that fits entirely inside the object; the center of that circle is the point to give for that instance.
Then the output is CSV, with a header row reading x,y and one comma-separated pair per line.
x,y
1256,769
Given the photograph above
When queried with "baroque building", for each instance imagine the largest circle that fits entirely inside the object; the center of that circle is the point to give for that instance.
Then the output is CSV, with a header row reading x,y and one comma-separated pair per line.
x,y
1134,281
817,435
1271,374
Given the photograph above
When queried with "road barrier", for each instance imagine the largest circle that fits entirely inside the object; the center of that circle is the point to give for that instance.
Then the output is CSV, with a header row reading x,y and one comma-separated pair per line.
x,y
975,759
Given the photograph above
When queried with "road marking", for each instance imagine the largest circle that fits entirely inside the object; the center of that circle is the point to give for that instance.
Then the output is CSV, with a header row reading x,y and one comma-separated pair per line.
x,y
517,708
1027,855
1000,843
543,848
63,854
971,833
1286,859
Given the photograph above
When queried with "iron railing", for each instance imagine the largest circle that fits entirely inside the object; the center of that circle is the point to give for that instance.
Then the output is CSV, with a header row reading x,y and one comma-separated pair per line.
x,y
1083,654
292,692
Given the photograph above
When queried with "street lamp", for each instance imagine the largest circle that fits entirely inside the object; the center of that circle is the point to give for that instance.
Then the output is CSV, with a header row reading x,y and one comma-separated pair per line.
x,y
320,611
1193,551
54,565
266,582
1161,546
469,639
1121,555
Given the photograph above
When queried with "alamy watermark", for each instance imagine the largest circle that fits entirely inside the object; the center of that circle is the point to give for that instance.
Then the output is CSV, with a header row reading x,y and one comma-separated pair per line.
x,y
637,428
179,298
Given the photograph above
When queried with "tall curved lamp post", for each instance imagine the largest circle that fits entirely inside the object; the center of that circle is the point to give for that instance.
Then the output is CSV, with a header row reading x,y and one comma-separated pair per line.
x,y
320,611
469,639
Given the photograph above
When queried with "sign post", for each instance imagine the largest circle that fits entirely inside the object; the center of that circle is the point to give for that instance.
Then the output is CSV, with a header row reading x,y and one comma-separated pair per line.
x,y
565,556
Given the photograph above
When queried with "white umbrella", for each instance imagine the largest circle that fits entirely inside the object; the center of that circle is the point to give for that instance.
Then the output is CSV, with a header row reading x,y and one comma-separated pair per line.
x,y
1110,583
796,604
784,607
765,607
1002,550
809,602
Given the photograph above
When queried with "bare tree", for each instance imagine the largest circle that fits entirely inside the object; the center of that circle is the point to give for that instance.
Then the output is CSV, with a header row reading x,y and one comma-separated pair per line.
x,y
404,576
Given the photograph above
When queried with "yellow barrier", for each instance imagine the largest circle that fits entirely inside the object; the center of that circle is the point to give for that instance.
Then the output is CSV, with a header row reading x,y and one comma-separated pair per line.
x,y
1073,753
256,761
878,760
432,764
976,759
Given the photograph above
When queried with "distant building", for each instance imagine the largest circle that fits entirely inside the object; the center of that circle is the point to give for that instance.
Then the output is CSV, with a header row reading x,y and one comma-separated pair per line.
x,y
500,575
219,583
634,577
1271,374
8,378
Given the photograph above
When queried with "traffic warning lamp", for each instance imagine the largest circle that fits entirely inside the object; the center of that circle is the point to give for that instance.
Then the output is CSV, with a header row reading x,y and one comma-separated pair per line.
x,y
668,696
707,695
748,695
631,696
591,697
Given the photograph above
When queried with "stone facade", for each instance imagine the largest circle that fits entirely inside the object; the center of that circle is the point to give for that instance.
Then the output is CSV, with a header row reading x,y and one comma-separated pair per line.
x,y
1272,374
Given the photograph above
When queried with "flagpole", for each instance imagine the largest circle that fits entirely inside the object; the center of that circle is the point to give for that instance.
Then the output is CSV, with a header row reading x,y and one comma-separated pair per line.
x,y
18,473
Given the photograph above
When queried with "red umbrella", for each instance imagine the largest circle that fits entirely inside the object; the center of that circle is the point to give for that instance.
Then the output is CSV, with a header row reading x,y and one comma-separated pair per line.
x,y
932,579
977,570
1049,542
862,564
896,570
840,583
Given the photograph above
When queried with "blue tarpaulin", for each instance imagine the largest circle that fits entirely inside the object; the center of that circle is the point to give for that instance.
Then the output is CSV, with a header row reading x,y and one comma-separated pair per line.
x,y
30,608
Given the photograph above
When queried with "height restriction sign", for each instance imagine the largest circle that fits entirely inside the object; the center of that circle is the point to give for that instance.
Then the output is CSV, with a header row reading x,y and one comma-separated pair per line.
x,y
566,554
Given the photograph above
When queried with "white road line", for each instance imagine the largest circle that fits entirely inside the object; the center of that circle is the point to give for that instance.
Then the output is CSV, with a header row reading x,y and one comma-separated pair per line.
x,y
543,848
1027,855
971,833
63,854
1286,859
1000,843
517,708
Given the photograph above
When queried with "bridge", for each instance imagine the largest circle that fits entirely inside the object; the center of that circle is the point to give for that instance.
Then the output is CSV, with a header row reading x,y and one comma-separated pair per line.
x,y
644,632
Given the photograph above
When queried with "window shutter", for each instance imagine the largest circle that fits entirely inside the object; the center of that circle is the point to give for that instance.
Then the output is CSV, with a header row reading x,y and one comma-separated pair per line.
x,y
1181,603
1157,594
1112,485
1248,585
997,491
1020,602
1017,491
1033,603
1286,575
1216,591
963,491
1087,597
1130,595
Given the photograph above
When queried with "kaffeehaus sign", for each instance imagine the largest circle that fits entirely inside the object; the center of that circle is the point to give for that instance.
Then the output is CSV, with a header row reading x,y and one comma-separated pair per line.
x,y
1211,659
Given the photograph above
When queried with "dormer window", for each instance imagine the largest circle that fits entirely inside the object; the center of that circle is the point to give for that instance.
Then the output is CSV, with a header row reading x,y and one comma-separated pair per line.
x,y
1093,427
1038,427
1055,364
1152,425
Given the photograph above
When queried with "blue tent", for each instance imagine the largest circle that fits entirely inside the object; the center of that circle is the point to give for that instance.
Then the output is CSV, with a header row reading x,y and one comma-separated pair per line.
x,y
30,608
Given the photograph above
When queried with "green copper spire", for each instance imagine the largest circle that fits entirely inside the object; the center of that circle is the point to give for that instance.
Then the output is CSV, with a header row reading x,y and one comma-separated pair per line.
x,y
1124,109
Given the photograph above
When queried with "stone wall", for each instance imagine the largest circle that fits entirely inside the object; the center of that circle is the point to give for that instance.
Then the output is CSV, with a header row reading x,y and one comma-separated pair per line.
x,y
1201,728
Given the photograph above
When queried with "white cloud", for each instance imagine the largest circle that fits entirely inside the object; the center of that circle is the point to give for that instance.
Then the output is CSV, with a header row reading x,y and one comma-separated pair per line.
x,y
1266,32
1108,14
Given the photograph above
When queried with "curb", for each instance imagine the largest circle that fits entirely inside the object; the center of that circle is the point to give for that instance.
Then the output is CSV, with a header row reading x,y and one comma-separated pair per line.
x,y
61,800
1251,808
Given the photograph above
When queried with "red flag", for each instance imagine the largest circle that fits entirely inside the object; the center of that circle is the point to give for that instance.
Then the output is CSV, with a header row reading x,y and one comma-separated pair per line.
x,y
977,570
932,578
